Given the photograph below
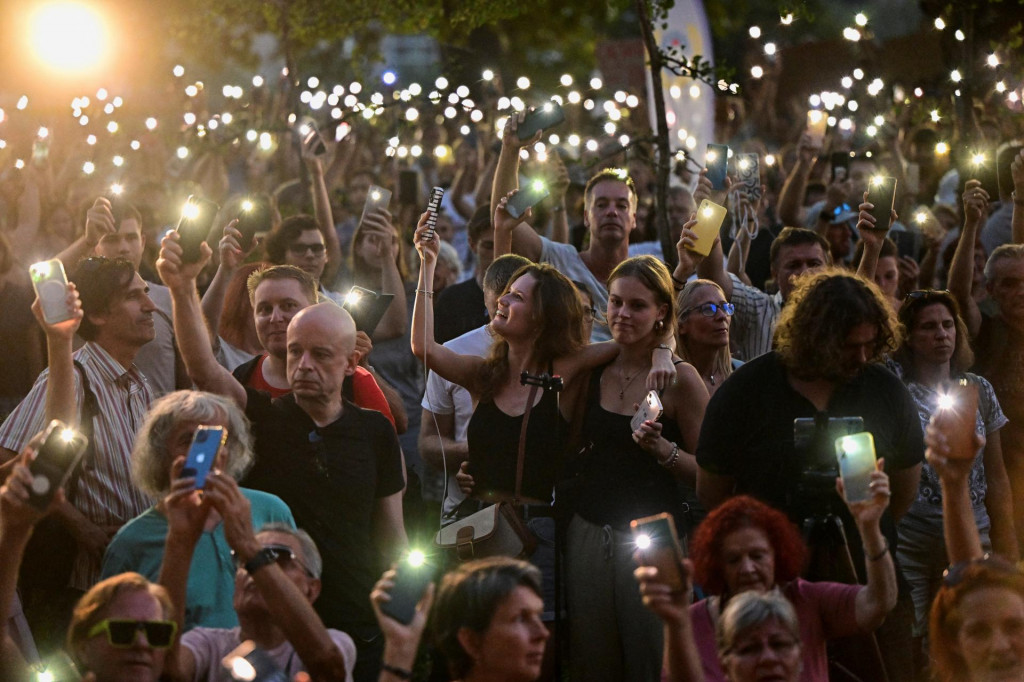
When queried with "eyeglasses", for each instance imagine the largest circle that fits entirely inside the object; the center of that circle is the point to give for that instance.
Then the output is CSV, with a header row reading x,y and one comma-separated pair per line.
x,y
955,574
283,555
710,309
122,633
927,294
302,249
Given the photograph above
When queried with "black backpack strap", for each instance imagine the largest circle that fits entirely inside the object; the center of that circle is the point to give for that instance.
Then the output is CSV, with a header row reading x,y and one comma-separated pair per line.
x,y
90,410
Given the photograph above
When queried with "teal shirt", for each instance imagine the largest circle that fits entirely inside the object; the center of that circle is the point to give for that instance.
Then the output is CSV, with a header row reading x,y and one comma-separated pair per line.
x,y
139,547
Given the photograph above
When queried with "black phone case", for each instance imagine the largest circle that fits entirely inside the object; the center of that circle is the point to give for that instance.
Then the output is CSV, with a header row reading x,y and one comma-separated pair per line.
x,y
251,223
410,584
539,119
883,197
195,231
524,199
368,313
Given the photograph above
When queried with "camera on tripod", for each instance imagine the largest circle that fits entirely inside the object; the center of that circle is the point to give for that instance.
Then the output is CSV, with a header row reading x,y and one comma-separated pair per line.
x,y
813,491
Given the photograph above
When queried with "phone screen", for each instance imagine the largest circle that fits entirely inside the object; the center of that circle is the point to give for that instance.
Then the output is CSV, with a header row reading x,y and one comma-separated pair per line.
x,y
882,194
716,162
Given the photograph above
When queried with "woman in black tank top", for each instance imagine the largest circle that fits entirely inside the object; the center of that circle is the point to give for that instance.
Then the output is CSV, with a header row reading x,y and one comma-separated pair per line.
x,y
624,474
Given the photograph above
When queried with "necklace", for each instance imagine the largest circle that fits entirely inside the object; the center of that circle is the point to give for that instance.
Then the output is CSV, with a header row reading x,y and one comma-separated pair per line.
x,y
625,382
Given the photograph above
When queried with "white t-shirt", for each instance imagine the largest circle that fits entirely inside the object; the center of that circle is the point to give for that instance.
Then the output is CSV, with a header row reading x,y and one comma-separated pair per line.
x,y
443,397
567,259
210,645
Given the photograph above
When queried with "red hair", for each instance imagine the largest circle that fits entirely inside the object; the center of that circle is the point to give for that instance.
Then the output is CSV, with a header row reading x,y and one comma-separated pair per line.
x,y
745,512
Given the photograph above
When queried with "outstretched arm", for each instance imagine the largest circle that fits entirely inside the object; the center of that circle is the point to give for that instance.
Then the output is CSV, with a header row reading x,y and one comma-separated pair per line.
x,y
961,268
878,596
525,241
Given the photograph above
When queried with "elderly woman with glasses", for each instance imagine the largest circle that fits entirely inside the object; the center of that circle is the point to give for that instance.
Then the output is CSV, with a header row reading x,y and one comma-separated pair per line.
x,y
934,352
704,321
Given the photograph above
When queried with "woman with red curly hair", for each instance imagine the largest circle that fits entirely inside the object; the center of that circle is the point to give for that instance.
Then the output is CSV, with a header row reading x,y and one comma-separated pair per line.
x,y
746,545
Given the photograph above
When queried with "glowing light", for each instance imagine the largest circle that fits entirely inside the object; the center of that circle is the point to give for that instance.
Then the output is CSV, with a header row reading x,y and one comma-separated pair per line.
x,y
941,148
20,164
118,161
178,71
595,83
355,88
522,82
88,167
756,71
411,114
389,78
786,20
487,75
90,140
1001,87
566,80
992,60
871,131
112,127
643,541
694,91
769,159
257,81
135,145
191,90
858,73
22,102
851,34
959,35
978,158
182,152
68,36
946,401
46,675
770,49
461,91
755,32
955,76
861,19
441,83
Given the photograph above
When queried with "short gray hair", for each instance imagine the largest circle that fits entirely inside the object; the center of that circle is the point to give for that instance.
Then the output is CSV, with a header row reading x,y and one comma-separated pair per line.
x,y
448,255
1003,252
310,554
750,609
151,455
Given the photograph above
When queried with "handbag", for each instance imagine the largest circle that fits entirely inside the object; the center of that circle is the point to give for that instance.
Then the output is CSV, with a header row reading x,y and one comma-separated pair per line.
x,y
51,550
497,530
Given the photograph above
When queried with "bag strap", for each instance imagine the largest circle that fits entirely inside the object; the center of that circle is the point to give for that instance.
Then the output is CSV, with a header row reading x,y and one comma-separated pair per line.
x,y
90,409
522,444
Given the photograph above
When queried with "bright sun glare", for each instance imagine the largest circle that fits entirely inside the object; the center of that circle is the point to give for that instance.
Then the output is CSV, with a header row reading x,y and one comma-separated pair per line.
x,y
68,36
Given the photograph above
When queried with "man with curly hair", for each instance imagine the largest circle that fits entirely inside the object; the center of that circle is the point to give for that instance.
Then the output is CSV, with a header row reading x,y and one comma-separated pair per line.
x,y
832,334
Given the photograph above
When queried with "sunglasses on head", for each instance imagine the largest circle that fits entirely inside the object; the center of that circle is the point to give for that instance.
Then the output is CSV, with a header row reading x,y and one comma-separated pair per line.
x,y
939,294
710,309
283,555
122,632
954,575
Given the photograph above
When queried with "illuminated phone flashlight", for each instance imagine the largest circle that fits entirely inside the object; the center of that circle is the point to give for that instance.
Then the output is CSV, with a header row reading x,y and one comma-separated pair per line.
x,y
941,148
537,185
877,180
304,129
712,155
548,106
352,297
375,195
744,164
117,189
190,211
978,158
247,205
708,212
416,558
40,270
67,435
242,669
920,217
815,116
643,541
946,401
44,676
43,132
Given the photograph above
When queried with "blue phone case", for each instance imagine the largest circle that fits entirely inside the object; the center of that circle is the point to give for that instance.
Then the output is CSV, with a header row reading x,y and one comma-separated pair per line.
x,y
202,453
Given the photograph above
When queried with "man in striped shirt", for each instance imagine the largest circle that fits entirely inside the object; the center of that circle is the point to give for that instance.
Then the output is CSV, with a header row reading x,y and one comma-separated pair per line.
x,y
115,319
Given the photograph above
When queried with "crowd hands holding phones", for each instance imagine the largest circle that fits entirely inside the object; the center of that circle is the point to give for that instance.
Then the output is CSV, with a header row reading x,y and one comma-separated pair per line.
x,y
817,392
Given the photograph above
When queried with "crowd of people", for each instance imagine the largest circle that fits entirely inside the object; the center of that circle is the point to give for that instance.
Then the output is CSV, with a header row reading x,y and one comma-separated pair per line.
x,y
495,394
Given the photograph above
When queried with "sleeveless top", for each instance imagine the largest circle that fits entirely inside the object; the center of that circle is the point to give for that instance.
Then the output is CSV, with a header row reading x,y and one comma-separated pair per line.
x,y
617,481
493,440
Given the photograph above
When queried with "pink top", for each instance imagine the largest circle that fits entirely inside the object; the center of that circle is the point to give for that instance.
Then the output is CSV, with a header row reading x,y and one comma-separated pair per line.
x,y
824,610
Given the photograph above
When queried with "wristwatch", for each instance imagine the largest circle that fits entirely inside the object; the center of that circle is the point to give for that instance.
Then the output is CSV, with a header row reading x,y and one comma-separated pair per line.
x,y
264,557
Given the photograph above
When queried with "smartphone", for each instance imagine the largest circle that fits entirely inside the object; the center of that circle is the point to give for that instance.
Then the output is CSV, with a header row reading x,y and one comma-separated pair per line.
x,y
376,198
409,188
710,217
980,164
432,209
341,131
716,161
545,116
658,545
650,410
956,416
196,220
253,218
748,170
856,455
817,122
249,663
906,243
882,193
312,139
814,440
51,285
206,443
840,163
413,575
366,308
928,223
56,458
527,197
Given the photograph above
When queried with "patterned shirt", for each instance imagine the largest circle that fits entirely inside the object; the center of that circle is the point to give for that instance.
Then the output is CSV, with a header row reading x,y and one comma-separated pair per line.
x,y
105,493
754,322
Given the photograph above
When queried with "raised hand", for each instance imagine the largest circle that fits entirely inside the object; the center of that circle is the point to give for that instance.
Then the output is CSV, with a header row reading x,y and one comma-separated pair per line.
x,y
99,221
175,273
62,330
427,248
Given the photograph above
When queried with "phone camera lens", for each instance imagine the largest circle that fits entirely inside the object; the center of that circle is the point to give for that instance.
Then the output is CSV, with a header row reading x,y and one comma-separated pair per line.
x,y
202,436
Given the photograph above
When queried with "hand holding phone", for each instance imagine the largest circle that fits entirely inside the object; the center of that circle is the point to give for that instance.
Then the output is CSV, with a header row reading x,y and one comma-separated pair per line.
x,y
716,162
543,117
366,307
817,122
254,217
526,198
710,217
55,460
650,410
956,415
882,195
749,173
413,574
376,198
197,218
432,208
51,285
856,456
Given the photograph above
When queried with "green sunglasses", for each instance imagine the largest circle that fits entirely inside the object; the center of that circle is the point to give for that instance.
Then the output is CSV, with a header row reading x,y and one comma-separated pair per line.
x,y
122,632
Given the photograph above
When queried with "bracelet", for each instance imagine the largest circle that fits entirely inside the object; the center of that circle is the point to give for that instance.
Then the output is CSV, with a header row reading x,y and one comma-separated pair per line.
x,y
672,458
885,550
400,673
676,284
662,346
425,292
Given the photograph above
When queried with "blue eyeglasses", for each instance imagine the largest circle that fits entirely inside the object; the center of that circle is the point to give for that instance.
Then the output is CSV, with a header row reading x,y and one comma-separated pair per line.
x,y
710,309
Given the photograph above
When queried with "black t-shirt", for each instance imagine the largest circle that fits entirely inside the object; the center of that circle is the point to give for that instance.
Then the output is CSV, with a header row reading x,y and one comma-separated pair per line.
x,y
459,309
747,431
331,477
